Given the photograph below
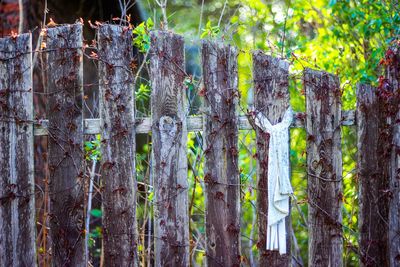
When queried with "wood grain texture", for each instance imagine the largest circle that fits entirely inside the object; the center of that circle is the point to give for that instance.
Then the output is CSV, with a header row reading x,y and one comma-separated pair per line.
x,y
194,123
169,137
65,153
17,203
271,99
324,168
393,82
221,154
373,175
118,146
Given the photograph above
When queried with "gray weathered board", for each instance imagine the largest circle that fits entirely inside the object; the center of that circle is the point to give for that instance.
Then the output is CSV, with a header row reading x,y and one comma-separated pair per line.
x,y
194,123
118,145
17,205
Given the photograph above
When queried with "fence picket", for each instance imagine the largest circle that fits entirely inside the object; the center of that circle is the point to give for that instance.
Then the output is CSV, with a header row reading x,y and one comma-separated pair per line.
x,y
272,99
324,168
373,176
65,151
118,145
392,82
221,154
17,205
169,154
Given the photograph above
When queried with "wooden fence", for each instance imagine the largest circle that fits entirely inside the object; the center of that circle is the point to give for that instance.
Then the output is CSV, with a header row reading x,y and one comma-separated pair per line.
x,y
378,163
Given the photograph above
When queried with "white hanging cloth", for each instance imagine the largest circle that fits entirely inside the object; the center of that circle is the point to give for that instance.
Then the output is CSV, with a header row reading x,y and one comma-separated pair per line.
x,y
279,187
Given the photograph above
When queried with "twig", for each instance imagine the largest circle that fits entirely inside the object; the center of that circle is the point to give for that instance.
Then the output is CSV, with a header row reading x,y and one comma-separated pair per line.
x,y
40,38
284,29
163,5
21,16
222,13
140,68
89,207
201,18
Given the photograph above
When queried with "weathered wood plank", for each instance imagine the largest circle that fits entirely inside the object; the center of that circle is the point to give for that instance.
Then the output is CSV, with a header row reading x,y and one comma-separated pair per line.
x,y
392,83
324,168
272,99
17,202
373,175
221,154
169,137
194,123
65,151
118,146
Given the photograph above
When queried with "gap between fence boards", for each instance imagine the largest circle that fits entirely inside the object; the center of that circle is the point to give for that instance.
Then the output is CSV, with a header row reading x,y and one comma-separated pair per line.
x,y
194,123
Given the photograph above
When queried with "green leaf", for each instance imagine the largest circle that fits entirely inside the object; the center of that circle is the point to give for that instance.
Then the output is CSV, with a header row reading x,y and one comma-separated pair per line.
x,y
150,196
204,34
149,23
96,213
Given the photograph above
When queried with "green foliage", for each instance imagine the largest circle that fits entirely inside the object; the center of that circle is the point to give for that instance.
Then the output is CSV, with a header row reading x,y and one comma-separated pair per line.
x,y
141,38
92,149
188,82
96,213
96,233
142,98
210,31
150,196
143,92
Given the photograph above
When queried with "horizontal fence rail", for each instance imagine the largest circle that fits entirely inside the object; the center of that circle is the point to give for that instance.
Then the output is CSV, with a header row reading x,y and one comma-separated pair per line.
x,y
378,160
194,123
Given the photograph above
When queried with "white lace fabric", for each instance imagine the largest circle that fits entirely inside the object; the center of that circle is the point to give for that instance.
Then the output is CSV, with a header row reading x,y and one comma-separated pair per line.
x,y
279,187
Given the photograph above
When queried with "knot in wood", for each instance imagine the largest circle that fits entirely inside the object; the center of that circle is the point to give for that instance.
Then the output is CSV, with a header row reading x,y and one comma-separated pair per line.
x,y
314,164
168,125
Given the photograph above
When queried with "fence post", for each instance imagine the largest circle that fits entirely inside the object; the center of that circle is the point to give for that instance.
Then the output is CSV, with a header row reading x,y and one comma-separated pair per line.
x,y
373,175
392,81
272,99
17,202
324,168
221,154
118,145
169,137
65,151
